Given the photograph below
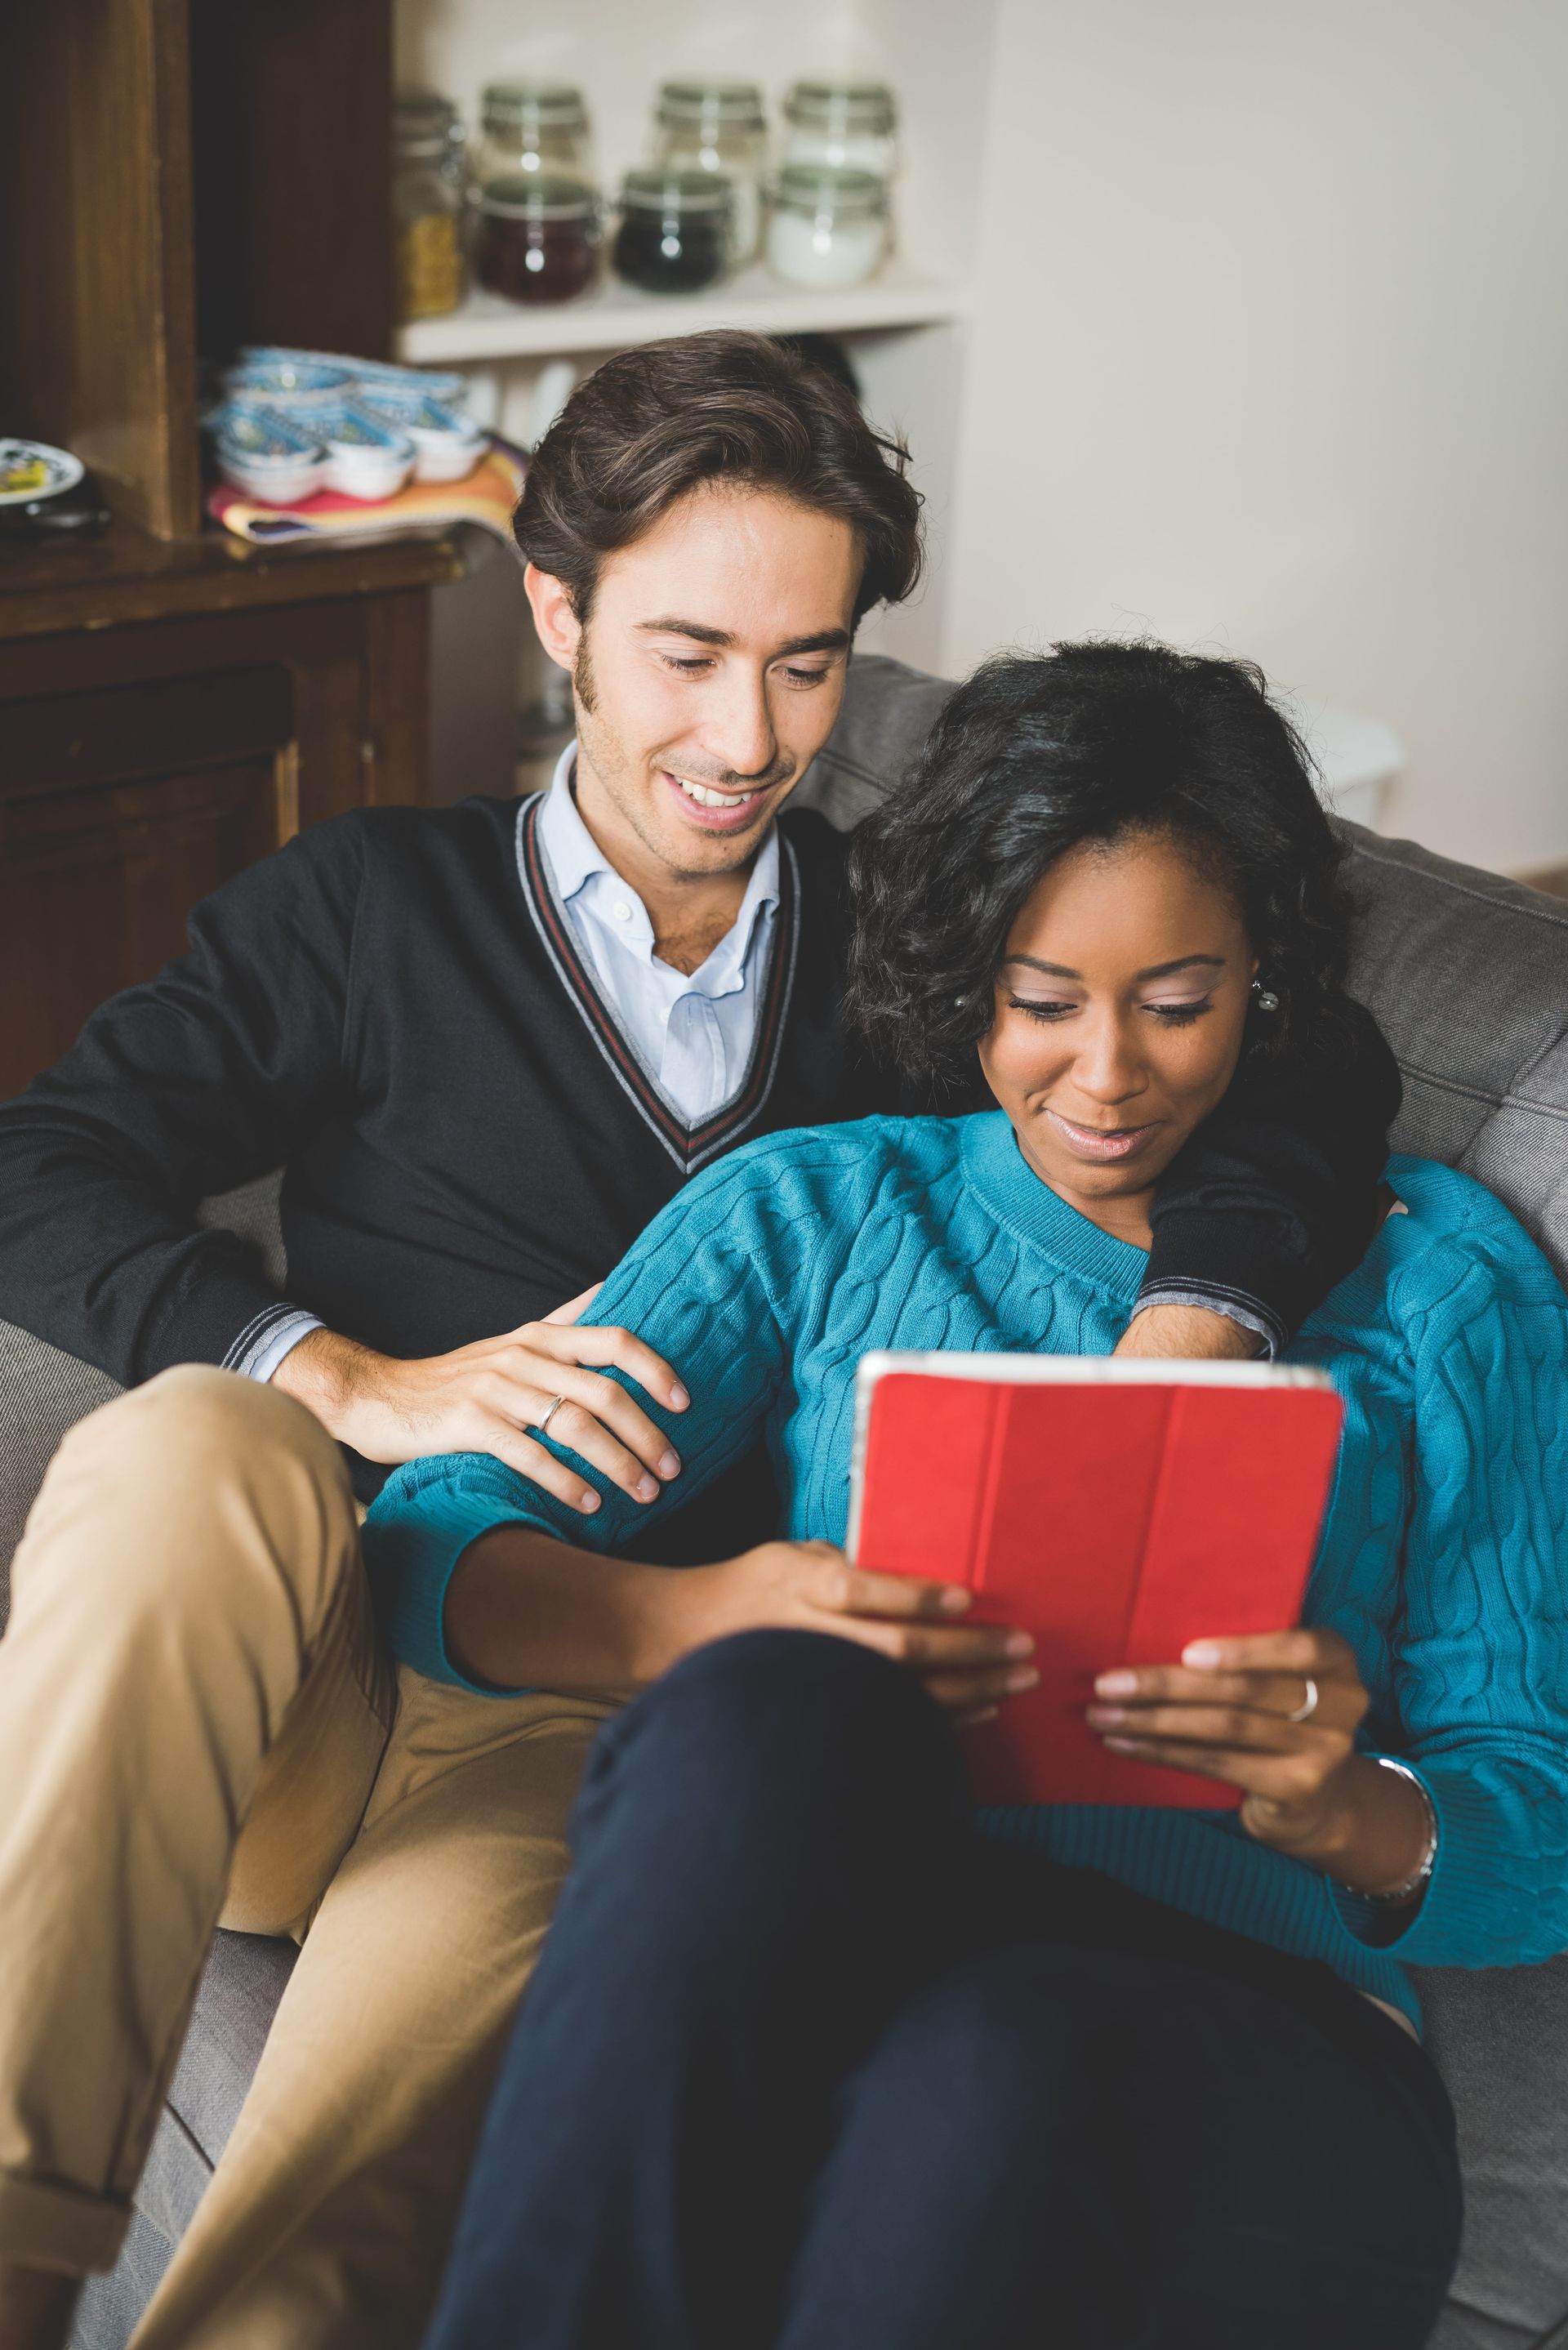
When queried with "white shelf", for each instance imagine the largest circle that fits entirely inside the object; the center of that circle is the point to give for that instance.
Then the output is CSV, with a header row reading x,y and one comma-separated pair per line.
x,y
615,315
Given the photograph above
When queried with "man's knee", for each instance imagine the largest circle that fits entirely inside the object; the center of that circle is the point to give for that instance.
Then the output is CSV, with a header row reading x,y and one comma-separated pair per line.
x,y
163,1483
204,1419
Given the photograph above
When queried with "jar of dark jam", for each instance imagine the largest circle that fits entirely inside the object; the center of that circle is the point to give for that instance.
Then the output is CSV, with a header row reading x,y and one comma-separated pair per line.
x,y
675,230
538,237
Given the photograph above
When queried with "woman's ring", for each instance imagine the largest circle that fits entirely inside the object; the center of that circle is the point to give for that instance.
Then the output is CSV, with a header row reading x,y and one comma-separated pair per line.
x,y
554,1406
1308,1705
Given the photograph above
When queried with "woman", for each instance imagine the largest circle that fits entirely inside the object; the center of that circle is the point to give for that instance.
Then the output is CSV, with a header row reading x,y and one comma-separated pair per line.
x,y
817,2055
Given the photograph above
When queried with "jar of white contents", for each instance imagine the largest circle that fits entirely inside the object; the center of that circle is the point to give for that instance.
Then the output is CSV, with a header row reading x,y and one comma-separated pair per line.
x,y
852,125
718,127
828,227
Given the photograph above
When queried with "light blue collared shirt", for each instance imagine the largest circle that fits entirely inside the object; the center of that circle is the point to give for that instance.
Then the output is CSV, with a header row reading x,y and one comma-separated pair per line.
x,y
693,1032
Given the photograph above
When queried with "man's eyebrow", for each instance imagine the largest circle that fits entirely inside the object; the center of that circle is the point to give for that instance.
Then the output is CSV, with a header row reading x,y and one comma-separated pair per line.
x,y
1154,971
824,640
694,628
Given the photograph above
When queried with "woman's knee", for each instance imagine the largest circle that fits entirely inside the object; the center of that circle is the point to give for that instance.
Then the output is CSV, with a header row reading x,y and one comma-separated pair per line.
x,y
778,1726
755,1693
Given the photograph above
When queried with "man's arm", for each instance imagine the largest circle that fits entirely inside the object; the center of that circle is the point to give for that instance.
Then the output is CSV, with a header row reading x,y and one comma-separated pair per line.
x,y
204,1078
215,1073
1271,1202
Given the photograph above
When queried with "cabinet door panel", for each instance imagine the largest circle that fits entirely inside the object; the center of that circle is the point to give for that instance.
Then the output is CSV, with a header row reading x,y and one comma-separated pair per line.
x,y
95,887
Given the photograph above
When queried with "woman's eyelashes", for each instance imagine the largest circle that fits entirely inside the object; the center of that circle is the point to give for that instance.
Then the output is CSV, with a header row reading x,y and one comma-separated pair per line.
x,y
1181,1016
1169,1015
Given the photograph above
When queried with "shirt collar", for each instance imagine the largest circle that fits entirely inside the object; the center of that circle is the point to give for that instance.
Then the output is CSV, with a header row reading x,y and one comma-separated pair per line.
x,y
573,851
576,858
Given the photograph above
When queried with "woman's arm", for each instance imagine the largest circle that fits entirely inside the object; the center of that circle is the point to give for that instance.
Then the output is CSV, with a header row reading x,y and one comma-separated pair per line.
x,y
1482,1665
483,1579
523,1606
707,1285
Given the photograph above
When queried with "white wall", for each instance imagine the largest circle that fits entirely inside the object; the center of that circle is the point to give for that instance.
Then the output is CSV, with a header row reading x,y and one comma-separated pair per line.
x,y
1270,355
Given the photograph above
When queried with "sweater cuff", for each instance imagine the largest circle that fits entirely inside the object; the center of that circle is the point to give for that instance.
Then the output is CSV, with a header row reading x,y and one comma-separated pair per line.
x,y
1249,1312
411,1553
218,1308
262,1345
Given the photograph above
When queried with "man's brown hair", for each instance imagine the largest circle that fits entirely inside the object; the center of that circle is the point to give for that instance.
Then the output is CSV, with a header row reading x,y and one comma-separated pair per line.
x,y
652,424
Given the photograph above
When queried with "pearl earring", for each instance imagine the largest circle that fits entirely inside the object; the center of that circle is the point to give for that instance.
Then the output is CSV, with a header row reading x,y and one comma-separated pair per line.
x,y
1267,1000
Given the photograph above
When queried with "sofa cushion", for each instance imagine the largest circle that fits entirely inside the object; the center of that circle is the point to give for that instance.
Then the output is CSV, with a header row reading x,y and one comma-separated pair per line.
x,y
1499,2038
1467,975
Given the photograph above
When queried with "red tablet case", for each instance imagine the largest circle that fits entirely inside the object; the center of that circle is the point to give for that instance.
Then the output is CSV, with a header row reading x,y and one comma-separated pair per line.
x,y
1114,1510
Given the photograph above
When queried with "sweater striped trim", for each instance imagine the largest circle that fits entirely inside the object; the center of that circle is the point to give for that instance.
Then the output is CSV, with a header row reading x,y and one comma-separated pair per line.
x,y
690,1147
245,1348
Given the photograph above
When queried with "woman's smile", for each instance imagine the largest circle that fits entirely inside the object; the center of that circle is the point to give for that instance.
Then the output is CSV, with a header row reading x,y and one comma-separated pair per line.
x,y
1099,1142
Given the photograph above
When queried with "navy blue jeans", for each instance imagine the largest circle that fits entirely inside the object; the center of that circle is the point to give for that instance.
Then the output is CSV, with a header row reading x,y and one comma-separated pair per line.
x,y
807,2062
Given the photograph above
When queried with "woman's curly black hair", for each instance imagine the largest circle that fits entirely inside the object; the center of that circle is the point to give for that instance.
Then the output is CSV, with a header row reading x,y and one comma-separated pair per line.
x,y
1037,753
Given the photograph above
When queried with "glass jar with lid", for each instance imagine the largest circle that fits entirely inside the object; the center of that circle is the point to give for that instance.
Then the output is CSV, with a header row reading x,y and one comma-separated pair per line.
x,y
851,125
676,230
718,127
537,236
533,126
427,203
827,227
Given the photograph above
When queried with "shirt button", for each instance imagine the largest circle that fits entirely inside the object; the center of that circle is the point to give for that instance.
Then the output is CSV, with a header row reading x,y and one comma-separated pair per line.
x,y
621,910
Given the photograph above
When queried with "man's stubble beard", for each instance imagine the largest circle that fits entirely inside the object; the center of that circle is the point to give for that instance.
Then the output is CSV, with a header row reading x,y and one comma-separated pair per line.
x,y
583,674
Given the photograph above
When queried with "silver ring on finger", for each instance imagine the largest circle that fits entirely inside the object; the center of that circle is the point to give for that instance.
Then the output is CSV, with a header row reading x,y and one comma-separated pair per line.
x,y
1308,1706
551,1408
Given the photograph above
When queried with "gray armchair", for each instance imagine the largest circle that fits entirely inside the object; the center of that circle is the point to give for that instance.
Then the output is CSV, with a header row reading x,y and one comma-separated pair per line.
x,y
1469,975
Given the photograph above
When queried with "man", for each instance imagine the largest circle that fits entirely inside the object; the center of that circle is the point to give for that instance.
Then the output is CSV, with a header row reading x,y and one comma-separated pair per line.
x,y
488,1043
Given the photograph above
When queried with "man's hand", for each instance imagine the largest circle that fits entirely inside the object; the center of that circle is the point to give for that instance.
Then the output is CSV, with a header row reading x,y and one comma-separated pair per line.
x,y
810,1587
1190,1331
485,1397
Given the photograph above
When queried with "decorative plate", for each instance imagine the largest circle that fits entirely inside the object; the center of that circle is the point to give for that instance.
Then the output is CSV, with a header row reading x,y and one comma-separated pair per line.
x,y
30,469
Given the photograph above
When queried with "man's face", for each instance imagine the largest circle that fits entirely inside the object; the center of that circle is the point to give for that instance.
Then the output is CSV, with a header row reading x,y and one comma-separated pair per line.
x,y
708,675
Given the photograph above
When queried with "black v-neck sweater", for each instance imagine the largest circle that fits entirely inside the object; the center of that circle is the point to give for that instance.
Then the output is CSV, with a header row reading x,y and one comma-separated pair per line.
x,y
393,1008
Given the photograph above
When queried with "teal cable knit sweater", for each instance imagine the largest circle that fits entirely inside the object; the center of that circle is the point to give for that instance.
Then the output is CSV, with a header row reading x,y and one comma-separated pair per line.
x,y
1444,1558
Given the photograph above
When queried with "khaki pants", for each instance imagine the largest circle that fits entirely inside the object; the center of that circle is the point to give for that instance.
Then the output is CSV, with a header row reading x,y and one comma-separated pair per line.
x,y
198,1726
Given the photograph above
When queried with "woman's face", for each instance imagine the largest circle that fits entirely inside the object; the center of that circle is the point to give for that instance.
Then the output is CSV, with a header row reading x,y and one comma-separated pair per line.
x,y
1119,1019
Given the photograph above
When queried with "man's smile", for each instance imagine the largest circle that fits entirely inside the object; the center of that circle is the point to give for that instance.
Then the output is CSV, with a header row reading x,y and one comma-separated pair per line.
x,y
720,807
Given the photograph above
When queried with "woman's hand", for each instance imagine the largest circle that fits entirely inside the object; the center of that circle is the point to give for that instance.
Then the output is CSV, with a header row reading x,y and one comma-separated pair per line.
x,y
811,1587
485,1397
1227,1711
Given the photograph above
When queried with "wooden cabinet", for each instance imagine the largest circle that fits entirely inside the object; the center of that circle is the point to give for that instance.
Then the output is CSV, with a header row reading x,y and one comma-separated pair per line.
x,y
192,174
145,759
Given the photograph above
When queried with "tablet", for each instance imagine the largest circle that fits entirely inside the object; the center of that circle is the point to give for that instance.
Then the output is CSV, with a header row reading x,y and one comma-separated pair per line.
x,y
1116,1509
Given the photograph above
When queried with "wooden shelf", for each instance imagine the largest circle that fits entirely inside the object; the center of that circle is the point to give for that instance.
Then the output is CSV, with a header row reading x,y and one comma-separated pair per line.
x,y
48,586
615,315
